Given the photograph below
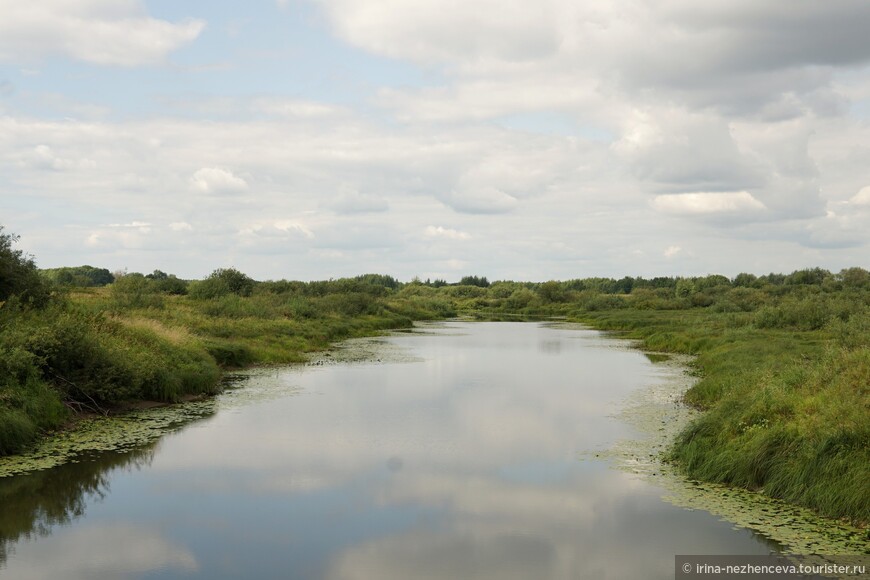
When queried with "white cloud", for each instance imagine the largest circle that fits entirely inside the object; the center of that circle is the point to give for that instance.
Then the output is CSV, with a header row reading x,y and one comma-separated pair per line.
x,y
143,227
540,206
436,31
218,181
862,197
442,232
293,226
708,203
295,108
102,32
351,201
672,251
43,157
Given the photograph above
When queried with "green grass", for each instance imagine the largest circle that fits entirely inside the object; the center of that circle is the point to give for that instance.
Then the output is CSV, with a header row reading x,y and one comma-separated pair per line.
x,y
787,412
93,352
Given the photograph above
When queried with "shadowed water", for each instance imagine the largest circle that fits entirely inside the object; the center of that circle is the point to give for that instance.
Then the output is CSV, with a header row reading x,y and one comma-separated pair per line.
x,y
467,451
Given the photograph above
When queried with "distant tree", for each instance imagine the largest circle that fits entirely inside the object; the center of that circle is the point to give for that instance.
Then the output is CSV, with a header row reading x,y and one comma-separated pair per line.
x,y
19,276
813,276
624,285
221,282
479,281
685,287
551,291
744,280
379,280
711,281
167,283
772,279
80,276
172,285
577,285
855,278
136,291
663,282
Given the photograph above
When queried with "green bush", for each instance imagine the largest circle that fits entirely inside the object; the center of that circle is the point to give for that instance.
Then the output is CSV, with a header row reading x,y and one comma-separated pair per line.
x,y
18,275
221,282
135,291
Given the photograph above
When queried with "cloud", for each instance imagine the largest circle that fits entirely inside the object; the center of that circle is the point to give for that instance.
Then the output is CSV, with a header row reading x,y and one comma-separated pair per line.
x,y
101,32
739,58
143,227
44,157
431,31
672,251
350,202
539,206
862,198
483,200
275,237
442,232
217,181
679,151
295,108
708,203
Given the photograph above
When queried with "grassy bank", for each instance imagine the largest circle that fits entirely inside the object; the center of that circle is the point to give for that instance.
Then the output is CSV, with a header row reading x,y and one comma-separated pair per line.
x,y
96,350
786,411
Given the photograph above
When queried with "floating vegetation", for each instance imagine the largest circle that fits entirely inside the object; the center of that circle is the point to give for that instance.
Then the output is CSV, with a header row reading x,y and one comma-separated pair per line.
x,y
658,414
116,433
371,350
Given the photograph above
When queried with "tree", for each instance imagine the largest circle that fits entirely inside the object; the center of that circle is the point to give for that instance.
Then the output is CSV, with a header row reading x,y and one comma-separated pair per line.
x,y
221,282
80,276
479,281
19,276
551,291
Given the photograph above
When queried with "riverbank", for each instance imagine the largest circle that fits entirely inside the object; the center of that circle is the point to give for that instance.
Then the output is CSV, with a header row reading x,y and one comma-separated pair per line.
x,y
88,355
783,414
659,416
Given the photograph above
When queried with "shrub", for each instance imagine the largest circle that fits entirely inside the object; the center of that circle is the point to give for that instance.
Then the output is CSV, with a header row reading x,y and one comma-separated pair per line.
x,y
521,298
551,291
135,291
221,282
19,276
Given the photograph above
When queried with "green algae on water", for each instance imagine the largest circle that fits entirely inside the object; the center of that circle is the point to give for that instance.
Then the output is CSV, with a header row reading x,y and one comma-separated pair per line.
x,y
659,415
115,433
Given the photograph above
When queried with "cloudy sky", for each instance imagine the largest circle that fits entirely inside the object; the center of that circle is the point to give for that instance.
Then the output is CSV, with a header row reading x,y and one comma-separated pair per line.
x,y
516,139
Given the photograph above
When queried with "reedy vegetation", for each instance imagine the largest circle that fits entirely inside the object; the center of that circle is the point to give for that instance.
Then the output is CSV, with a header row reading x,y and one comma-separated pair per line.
x,y
783,360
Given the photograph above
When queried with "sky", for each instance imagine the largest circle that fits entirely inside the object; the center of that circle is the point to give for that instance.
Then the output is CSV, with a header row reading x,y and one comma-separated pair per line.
x,y
513,139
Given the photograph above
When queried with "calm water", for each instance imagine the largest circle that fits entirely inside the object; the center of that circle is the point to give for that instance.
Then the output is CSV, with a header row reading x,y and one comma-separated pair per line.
x,y
467,459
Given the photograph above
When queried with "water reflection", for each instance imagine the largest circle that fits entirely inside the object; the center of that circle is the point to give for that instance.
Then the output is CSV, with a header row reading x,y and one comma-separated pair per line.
x,y
34,504
464,462
92,552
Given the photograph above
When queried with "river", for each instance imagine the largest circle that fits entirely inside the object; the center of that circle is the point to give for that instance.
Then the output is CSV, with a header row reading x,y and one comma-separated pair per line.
x,y
461,450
